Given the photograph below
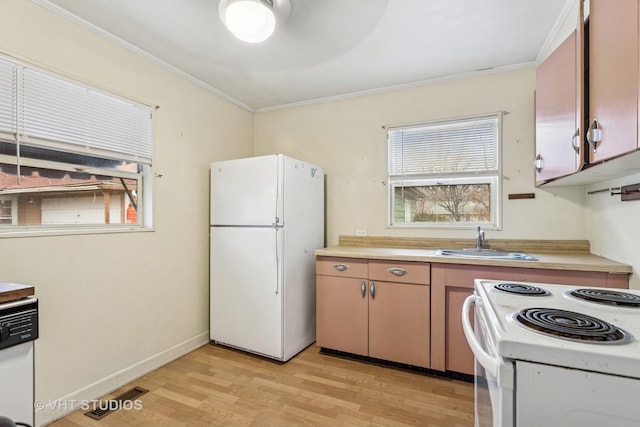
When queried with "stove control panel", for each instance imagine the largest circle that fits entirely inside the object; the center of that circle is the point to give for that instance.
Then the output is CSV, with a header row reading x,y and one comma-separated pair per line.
x,y
18,322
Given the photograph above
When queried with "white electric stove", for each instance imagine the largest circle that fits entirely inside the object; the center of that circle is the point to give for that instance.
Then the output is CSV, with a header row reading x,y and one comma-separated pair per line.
x,y
554,355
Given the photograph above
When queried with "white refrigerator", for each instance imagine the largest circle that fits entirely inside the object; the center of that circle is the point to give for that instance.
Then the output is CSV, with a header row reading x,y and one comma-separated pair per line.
x,y
267,218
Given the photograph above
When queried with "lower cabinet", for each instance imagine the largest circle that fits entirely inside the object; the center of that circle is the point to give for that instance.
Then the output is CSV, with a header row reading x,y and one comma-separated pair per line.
x,y
399,323
379,309
410,312
342,314
452,283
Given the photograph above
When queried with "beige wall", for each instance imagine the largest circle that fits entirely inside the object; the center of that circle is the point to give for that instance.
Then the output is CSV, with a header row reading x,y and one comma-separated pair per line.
x,y
114,306
347,139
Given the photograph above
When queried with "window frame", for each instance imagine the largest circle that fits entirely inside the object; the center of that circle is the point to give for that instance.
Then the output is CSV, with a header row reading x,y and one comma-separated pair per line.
x,y
142,179
129,110
493,178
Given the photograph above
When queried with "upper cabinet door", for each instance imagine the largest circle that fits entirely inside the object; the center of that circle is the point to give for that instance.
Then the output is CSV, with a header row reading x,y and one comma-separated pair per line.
x,y
558,104
613,78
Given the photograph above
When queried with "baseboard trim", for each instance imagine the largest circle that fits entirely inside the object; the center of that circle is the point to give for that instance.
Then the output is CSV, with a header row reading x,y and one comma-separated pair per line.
x,y
54,409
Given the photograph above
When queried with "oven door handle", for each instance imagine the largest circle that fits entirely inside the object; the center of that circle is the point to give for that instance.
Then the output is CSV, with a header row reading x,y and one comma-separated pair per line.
x,y
488,362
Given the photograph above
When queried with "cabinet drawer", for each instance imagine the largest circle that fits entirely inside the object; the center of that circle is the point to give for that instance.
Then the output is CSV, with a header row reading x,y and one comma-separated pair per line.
x,y
464,275
404,272
344,267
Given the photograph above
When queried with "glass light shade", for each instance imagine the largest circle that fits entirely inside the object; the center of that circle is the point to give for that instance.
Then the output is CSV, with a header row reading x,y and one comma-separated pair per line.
x,y
251,21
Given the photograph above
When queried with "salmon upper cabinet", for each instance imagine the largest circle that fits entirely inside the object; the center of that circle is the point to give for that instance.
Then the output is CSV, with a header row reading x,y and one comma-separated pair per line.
x,y
613,78
587,95
559,107
379,309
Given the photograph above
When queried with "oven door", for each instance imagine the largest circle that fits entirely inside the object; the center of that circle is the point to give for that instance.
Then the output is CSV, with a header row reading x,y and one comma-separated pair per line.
x,y
493,388
16,386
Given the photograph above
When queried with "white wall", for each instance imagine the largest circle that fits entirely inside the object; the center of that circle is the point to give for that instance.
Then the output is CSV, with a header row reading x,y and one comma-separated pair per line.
x,y
114,305
347,139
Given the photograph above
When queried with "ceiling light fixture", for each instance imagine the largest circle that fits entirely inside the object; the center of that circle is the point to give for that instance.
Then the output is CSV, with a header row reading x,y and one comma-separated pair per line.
x,y
252,21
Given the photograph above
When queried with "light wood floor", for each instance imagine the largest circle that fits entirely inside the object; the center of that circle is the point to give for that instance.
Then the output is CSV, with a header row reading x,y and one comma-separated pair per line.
x,y
217,386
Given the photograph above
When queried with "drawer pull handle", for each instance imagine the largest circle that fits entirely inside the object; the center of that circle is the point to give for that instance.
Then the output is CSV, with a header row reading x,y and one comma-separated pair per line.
x,y
363,288
397,271
340,267
576,148
594,134
538,163
372,289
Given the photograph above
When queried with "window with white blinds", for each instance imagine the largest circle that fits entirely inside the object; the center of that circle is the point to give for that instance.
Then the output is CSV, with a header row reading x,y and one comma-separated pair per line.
x,y
445,173
465,146
72,117
83,120
71,155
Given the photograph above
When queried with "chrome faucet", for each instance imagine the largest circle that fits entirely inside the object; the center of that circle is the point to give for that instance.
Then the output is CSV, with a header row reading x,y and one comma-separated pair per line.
x,y
479,239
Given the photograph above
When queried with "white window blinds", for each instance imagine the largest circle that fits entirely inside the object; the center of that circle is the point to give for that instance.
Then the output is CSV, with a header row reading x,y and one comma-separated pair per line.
x,y
461,146
58,114
7,97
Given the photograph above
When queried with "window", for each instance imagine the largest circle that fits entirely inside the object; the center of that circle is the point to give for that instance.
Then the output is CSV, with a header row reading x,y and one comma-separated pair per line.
x,y
445,174
71,156
5,211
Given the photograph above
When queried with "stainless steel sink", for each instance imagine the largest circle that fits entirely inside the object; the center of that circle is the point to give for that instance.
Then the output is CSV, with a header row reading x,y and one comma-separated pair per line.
x,y
485,253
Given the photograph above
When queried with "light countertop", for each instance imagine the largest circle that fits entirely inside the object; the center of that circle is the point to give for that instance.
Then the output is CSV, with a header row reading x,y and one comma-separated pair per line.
x,y
551,261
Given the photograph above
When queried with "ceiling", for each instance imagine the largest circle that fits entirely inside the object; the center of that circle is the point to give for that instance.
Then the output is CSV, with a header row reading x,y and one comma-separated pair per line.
x,y
326,49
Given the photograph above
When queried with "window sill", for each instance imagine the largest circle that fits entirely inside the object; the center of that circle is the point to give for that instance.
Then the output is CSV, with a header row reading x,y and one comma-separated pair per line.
x,y
41,232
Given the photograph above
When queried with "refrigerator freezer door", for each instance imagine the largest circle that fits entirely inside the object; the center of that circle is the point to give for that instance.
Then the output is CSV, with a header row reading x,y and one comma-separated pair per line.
x,y
246,289
247,191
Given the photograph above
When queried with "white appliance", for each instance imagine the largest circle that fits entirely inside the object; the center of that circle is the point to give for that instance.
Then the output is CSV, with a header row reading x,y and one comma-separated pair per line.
x,y
267,218
553,355
18,330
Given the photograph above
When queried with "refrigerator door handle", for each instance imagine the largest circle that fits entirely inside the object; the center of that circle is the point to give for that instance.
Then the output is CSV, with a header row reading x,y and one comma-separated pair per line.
x,y
277,263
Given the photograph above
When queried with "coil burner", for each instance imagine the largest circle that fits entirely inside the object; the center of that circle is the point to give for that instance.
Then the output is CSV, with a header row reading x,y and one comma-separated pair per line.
x,y
522,289
572,326
607,296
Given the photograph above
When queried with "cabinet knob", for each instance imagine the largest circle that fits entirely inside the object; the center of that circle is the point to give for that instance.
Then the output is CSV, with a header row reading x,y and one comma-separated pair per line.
x,y
363,288
340,267
373,290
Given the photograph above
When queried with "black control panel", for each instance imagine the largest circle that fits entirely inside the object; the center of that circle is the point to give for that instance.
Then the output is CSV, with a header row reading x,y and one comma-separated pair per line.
x,y
18,322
